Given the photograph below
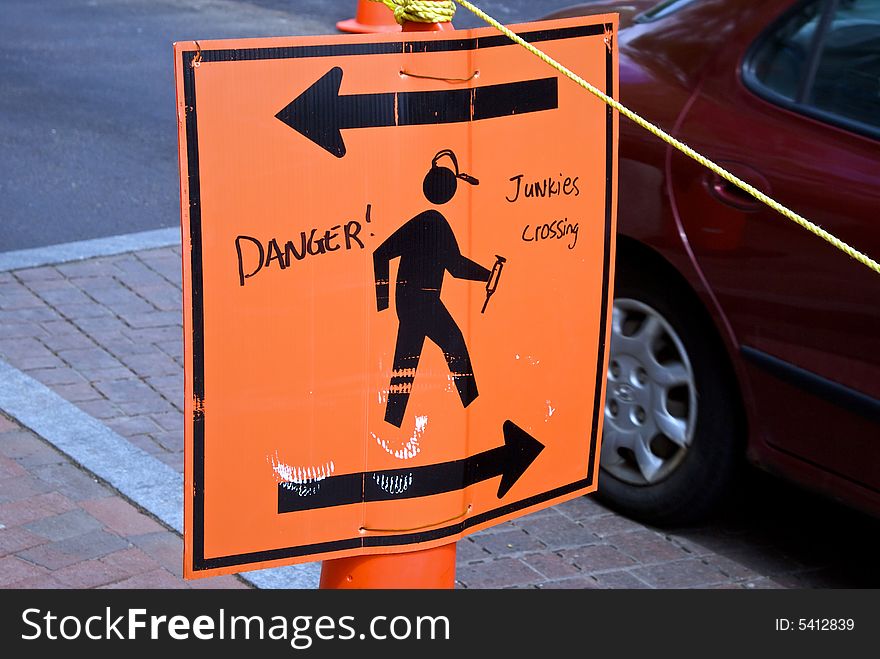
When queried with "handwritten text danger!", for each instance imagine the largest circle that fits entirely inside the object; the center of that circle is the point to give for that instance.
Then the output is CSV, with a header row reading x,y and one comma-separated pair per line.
x,y
254,256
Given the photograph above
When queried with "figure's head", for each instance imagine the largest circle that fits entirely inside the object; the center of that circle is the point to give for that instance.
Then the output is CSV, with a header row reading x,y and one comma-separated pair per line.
x,y
441,182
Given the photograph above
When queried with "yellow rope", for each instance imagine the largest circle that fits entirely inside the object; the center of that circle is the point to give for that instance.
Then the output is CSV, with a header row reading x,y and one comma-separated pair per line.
x,y
681,146
423,11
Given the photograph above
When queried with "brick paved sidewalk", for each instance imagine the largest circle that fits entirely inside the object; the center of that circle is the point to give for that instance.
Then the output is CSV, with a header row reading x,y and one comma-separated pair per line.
x,y
105,334
61,528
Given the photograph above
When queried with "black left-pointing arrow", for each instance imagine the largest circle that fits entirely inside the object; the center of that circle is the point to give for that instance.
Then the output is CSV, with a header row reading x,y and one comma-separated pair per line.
x,y
509,461
321,114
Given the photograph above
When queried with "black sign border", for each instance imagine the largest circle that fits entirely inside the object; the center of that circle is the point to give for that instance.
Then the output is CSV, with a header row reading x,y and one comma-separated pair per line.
x,y
199,561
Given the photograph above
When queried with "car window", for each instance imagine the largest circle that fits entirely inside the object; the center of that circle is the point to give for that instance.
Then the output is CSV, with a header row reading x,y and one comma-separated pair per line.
x,y
662,10
824,59
781,61
847,81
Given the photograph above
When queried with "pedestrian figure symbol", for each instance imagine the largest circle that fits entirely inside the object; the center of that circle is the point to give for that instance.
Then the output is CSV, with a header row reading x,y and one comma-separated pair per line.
x,y
427,248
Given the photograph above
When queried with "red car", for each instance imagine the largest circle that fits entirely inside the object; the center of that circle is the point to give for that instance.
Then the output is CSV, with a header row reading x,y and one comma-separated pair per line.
x,y
735,331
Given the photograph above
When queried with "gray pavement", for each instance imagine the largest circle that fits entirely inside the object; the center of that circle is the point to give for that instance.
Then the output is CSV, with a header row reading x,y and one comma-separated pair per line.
x,y
91,381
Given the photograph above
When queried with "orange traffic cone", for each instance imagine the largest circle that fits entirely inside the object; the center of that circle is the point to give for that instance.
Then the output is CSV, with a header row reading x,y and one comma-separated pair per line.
x,y
423,569
370,17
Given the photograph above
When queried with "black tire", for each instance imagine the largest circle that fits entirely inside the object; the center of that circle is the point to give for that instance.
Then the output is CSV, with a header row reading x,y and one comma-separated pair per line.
x,y
702,474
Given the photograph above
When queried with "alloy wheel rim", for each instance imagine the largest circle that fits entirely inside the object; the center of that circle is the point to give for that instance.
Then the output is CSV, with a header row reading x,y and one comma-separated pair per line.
x,y
651,397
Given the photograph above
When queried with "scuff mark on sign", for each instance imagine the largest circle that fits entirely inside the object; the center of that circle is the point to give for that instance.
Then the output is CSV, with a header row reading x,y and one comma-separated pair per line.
x,y
305,480
198,408
411,448
289,474
301,489
393,484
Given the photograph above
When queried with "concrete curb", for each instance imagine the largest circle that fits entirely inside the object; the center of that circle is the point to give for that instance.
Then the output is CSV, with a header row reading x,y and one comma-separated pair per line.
x,y
133,472
87,249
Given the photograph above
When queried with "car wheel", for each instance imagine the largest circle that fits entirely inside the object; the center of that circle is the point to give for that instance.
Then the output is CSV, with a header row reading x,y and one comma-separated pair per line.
x,y
669,443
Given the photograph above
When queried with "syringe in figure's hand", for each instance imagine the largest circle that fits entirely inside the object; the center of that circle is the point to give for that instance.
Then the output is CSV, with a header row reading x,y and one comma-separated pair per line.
x,y
494,278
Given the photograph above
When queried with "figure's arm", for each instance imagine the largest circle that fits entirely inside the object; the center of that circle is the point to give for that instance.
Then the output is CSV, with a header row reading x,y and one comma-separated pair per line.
x,y
459,266
462,267
381,259
380,272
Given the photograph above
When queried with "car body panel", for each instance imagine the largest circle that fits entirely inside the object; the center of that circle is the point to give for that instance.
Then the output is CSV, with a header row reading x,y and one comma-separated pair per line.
x,y
785,292
798,318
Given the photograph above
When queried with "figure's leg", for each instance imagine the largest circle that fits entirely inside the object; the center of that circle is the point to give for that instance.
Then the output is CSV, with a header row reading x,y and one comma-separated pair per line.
x,y
445,333
410,341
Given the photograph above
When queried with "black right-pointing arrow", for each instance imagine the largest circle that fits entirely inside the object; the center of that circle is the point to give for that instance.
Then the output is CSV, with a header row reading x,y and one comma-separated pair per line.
x,y
509,461
320,113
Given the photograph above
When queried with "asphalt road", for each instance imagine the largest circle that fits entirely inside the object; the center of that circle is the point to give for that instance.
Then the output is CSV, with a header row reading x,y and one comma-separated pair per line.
x,y
88,132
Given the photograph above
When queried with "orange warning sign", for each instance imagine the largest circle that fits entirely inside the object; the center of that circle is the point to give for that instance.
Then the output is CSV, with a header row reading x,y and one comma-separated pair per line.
x,y
397,281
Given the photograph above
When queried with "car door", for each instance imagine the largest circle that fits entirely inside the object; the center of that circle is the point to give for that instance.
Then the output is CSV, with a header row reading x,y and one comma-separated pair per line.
x,y
793,107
